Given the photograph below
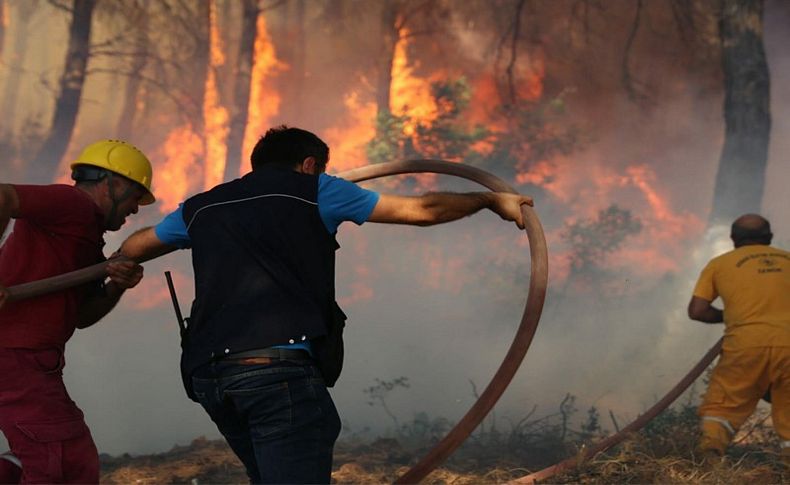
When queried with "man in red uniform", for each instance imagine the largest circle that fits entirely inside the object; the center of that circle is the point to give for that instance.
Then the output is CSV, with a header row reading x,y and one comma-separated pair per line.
x,y
57,229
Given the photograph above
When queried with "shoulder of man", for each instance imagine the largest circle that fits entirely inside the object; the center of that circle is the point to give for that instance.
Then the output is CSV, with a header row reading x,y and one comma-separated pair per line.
x,y
54,201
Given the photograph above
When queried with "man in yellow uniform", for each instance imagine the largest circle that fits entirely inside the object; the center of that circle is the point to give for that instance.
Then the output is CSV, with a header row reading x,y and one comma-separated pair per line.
x,y
753,282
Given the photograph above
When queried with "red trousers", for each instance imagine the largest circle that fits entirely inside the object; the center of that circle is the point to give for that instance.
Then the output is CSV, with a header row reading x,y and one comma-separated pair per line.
x,y
43,426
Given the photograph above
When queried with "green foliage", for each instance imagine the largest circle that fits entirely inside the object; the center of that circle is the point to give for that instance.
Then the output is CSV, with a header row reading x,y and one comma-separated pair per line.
x,y
535,130
591,240
526,132
390,143
447,136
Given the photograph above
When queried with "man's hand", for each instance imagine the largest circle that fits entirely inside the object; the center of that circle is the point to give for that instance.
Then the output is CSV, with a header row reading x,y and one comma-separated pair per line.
x,y
508,206
3,295
125,274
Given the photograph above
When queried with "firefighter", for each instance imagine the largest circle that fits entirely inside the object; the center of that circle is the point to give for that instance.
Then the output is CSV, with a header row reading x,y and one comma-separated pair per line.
x,y
263,250
753,281
57,229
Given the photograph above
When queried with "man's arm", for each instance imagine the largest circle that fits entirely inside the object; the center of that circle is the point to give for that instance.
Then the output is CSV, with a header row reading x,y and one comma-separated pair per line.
x,y
701,310
144,245
436,208
140,246
123,275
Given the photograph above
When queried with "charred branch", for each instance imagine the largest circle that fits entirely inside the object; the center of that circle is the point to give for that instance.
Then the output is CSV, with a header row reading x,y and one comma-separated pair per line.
x,y
626,77
61,6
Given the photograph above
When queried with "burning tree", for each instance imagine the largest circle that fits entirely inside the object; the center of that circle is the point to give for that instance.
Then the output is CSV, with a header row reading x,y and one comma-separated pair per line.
x,y
592,240
445,136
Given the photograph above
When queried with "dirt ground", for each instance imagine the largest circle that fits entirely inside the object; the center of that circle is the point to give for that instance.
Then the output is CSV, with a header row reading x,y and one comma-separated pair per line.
x,y
211,461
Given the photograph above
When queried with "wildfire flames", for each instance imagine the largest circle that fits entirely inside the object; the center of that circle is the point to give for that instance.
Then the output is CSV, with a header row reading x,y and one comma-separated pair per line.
x,y
264,99
409,94
215,115
582,192
187,153
347,140
175,178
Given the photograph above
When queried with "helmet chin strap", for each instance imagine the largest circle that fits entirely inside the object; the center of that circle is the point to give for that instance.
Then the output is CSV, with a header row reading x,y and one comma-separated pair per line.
x,y
116,200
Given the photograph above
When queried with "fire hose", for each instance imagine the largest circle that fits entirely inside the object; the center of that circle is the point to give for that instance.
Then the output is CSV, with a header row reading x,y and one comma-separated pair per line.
x,y
538,281
515,354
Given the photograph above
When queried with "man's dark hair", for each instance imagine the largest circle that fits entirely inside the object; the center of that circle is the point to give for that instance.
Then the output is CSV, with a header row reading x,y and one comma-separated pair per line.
x,y
751,229
288,147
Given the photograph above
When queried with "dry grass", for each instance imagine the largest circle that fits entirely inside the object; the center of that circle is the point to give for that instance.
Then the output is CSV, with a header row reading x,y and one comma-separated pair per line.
x,y
662,454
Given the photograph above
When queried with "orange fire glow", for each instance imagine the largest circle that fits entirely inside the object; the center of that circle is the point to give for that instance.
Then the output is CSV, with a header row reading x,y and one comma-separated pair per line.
x,y
347,140
530,87
264,99
182,154
410,95
153,293
215,115
634,187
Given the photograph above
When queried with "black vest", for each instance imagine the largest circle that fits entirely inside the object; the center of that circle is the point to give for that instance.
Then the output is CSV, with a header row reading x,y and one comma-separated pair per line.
x,y
263,262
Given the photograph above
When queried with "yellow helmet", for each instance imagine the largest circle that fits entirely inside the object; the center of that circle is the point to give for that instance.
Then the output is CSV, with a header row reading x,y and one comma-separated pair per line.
x,y
122,158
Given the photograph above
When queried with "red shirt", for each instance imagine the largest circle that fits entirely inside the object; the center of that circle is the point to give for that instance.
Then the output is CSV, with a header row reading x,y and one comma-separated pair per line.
x,y
59,229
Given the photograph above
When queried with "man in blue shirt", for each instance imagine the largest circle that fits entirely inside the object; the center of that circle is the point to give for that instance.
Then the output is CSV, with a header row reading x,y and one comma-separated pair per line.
x,y
255,351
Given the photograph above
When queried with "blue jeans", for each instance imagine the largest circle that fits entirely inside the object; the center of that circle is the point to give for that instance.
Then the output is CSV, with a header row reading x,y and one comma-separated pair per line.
x,y
278,418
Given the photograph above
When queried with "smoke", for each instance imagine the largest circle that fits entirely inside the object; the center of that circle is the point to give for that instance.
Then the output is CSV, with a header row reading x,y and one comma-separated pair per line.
x,y
441,305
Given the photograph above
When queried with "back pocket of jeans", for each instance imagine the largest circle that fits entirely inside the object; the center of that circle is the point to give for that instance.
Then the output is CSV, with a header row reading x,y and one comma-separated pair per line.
x,y
268,409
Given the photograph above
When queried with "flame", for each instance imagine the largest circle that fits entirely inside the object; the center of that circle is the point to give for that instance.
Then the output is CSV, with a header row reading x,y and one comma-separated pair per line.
x,y
410,95
264,99
215,115
530,87
347,140
182,152
635,187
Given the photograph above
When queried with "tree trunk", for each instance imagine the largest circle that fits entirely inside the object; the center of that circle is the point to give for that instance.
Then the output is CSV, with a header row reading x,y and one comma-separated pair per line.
x,y
741,176
125,126
202,62
67,105
241,90
389,39
294,53
16,61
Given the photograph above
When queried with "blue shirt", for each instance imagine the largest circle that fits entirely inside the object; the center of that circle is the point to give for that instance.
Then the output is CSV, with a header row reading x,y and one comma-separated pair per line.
x,y
338,200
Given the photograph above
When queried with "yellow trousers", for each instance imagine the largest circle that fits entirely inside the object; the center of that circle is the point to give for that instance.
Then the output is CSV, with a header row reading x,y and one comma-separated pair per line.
x,y
738,382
